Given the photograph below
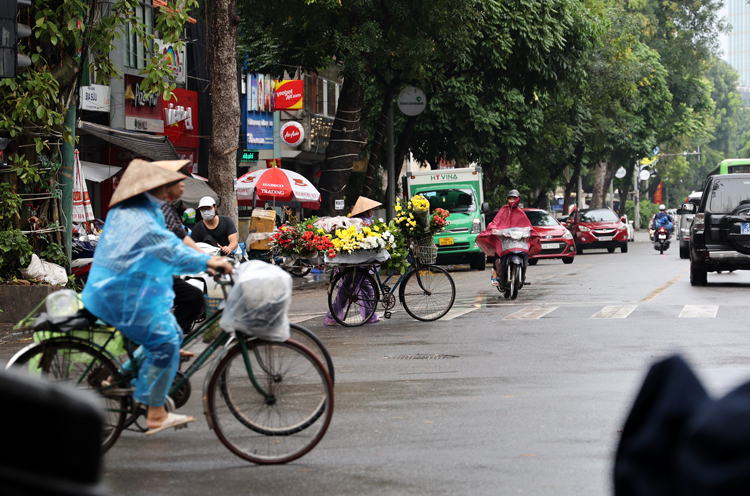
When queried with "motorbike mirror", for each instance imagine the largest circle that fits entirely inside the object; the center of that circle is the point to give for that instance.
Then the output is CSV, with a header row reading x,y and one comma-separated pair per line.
x,y
563,223
623,219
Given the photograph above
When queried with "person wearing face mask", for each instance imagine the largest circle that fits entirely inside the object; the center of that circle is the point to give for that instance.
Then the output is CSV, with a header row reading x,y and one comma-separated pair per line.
x,y
216,230
509,216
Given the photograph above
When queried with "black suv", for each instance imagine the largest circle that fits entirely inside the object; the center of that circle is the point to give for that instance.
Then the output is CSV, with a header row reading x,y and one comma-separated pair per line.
x,y
720,235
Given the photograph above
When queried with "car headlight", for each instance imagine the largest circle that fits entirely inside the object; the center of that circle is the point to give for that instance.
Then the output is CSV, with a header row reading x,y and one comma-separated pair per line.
x,y
567,235
476,226
622,227
584,229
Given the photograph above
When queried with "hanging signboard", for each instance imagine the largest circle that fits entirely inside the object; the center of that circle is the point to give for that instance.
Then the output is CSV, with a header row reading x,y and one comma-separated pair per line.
x,y
412,101
177,58
292,133
658,194
621,172
95,97
289,95
249,156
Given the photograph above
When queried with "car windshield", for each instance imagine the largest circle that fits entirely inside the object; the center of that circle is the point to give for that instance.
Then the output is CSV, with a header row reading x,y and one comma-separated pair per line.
x,y
728,194
539,218
602,215
458,200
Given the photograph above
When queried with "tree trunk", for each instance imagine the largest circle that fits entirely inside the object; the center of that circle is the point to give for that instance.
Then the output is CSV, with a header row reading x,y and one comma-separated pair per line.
x,y
222,157
377,141
626,190
347,140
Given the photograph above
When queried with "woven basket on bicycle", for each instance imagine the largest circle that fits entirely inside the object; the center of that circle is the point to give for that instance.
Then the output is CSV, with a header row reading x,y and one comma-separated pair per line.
x,y
425,250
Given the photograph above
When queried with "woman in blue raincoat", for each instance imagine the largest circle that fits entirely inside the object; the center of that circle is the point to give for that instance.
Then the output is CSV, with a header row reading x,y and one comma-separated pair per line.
x,y
130,283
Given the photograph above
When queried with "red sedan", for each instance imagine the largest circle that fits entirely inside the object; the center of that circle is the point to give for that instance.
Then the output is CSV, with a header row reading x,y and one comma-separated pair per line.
x,y
555,240
598,228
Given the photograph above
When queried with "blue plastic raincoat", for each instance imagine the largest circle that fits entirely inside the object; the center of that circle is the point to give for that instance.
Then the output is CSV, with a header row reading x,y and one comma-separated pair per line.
x,y
130,288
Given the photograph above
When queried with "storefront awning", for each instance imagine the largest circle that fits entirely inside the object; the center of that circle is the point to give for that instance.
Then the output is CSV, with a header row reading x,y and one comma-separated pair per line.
x,y
146,145
98,172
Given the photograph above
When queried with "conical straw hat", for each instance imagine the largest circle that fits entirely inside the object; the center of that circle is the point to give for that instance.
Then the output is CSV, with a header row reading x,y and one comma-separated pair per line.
x,y
173,165
363,205
141,176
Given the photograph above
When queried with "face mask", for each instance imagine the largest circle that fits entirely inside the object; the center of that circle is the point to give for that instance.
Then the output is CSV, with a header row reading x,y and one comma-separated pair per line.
x,y
514,203
208,214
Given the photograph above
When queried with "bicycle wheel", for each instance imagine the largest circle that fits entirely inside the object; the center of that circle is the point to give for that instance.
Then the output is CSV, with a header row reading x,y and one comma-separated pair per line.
x,y
355,294
77,363
427,293
517,281
306,338
286,424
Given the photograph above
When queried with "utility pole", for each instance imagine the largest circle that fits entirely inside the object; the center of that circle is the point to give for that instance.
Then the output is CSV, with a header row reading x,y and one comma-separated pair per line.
x,y
636,196
579,193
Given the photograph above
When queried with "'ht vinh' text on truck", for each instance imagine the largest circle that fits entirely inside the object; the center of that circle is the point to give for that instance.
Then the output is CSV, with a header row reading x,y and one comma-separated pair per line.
x,y
459,191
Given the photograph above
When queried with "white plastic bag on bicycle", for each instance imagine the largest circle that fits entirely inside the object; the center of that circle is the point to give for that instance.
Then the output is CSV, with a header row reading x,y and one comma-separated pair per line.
x,y
258,303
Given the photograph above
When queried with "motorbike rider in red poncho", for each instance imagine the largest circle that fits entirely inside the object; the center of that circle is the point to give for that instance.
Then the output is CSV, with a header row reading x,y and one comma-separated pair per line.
x,y
508,216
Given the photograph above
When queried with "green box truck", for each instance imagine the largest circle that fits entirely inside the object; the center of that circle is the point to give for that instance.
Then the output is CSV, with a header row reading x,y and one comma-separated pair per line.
x,y
459,191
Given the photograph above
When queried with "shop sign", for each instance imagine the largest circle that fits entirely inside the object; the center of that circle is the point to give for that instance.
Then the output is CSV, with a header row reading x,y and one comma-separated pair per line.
x,y
260,94
289,95
412,101
260,130
180,116
144,124
249,156
95,97
141,113
292,133
177,58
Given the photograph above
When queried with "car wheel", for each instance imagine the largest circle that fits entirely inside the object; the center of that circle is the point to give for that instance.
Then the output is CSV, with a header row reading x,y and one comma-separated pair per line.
x,y
579,250
684,251
698,276
533,261
480,262
611,250
568,260
624,248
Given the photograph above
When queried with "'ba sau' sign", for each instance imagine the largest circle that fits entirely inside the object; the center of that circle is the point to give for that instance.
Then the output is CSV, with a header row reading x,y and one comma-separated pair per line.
x,y
289,95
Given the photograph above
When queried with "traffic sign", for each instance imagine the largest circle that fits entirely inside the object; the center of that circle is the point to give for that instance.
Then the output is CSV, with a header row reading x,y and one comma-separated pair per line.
x,y
620,173
644,175
656,151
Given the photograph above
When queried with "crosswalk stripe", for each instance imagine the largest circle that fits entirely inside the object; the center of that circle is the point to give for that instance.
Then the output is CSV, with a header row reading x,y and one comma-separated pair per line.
x,y
296,319
457,312
699,311
614,312
530,313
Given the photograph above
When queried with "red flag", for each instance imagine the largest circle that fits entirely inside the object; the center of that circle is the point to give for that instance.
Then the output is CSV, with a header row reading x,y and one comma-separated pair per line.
x,y
657,195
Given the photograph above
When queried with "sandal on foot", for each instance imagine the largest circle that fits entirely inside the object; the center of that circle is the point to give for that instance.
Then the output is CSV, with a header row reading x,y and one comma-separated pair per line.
x,y
172,420
494,280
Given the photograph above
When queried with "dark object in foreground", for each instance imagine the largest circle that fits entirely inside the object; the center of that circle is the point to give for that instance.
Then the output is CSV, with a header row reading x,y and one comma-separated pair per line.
x,y
56,434
677,441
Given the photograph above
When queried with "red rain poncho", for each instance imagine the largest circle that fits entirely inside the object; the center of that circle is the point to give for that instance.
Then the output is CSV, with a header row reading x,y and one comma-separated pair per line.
x,y
506,218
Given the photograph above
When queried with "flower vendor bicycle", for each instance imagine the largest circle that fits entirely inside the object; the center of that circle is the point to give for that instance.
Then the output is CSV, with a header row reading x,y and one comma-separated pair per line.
x,y
267,402
426,291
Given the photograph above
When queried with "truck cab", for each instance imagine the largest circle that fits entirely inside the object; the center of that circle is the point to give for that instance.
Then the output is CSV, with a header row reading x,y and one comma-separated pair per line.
x,y
459,191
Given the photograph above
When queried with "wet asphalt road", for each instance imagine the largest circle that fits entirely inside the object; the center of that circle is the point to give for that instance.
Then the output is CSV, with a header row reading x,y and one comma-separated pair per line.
x,y
528,405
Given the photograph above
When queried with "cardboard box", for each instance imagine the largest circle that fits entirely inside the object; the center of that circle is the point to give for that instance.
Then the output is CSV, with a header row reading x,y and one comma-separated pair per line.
x,y
261,221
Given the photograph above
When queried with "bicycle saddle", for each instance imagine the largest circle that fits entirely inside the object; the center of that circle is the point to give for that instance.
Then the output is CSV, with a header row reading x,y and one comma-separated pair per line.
x,y
79,320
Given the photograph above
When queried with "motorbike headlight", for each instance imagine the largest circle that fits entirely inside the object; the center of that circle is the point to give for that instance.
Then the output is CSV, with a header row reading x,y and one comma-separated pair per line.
x,y
622,227
476,226
584,229
567,235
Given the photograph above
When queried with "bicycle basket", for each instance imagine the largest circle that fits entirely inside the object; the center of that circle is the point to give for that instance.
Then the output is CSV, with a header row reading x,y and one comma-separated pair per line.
x,y
425,250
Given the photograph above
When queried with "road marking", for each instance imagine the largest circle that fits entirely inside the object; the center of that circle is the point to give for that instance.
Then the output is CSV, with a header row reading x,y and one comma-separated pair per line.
x,y
296,319
530,313
457,312
614,312
653,294
699,311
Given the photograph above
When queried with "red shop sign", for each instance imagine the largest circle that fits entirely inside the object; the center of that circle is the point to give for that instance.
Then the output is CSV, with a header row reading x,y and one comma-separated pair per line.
x,y
180,116
292,133
289,95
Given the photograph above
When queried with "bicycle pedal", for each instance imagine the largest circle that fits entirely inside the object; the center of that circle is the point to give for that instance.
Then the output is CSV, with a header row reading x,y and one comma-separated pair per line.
x,y
387,315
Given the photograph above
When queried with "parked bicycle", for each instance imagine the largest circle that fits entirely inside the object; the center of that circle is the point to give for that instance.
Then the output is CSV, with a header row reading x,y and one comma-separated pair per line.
x,y
267,402
426,291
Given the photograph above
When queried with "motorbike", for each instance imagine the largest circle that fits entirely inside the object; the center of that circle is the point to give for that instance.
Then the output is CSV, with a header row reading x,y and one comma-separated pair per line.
x,y
516,240
661,239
